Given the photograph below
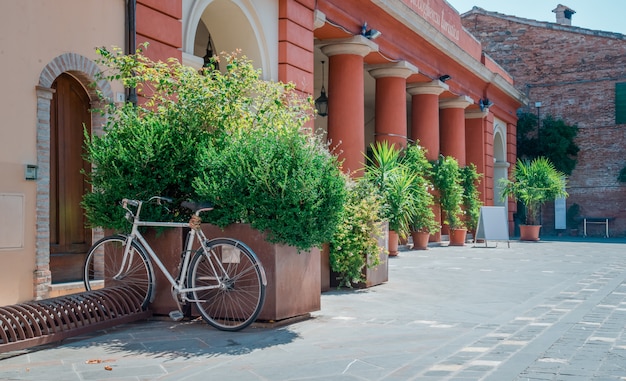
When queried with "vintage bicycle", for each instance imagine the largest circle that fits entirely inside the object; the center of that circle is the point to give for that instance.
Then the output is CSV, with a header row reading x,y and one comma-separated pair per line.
x,y
223,277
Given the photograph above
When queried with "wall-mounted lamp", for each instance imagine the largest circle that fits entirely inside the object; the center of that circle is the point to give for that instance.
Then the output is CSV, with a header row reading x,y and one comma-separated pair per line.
x,y
370,34
321,103
30,172
485,103
445,77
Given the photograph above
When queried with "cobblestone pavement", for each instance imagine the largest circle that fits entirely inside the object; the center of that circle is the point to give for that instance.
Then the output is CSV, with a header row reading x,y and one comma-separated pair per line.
x,y
549,310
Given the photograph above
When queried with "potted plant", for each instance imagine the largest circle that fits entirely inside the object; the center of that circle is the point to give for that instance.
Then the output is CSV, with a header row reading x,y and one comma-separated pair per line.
x,y
533,182
234,140
423,222
471,197
447,182
393,182
355,253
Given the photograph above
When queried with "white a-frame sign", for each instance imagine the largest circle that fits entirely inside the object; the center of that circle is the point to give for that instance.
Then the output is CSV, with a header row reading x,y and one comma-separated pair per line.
x,y
492,225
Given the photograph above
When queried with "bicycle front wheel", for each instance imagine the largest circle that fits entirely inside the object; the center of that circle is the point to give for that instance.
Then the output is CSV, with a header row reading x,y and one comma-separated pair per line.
x,y
105,267
228,283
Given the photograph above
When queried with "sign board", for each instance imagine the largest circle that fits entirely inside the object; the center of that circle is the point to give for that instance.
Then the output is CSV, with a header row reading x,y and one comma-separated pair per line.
x,y
492,224
559,213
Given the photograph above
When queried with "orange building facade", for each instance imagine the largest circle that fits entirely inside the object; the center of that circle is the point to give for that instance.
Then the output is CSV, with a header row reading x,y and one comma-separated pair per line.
x,y
422,77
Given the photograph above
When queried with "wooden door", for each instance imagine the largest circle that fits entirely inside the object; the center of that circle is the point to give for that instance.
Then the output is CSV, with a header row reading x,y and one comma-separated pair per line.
x,y
69,237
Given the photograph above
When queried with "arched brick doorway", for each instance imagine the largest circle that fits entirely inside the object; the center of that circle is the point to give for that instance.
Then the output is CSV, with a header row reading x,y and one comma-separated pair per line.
x,y
83,71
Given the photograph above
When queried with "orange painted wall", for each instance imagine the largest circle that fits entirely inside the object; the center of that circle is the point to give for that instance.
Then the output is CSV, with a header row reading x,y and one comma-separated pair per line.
x,y
158,23
295,43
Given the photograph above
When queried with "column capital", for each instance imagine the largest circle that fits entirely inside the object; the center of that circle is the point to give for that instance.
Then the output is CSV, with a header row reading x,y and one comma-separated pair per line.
x,y
401,69
435,87
476,114
357,45
459,102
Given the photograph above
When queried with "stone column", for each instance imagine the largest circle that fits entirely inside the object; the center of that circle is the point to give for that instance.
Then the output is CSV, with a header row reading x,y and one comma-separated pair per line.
x,y
452,127
391,123
346,120
425,115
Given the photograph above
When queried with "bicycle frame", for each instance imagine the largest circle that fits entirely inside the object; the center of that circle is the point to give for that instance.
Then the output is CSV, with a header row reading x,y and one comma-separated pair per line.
x,y
194,234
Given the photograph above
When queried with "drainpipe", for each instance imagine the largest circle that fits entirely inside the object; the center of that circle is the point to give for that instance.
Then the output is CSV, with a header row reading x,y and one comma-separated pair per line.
x,y
131,12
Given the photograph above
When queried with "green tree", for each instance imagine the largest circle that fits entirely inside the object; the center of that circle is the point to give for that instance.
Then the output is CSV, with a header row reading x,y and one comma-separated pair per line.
x,y
555,141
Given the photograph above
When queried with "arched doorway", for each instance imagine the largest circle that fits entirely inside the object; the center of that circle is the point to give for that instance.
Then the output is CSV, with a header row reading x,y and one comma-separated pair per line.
x,y
70,117
230,25
501,166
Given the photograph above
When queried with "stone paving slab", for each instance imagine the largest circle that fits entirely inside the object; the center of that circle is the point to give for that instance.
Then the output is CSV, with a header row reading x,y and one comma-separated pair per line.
x,y
549,310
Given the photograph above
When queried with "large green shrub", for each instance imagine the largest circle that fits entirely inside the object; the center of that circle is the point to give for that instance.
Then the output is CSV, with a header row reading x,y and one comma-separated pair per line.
x,y
285,183
226,137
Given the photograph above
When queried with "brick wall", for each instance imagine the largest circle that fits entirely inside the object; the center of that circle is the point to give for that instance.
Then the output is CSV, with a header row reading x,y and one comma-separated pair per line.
x,y
572,71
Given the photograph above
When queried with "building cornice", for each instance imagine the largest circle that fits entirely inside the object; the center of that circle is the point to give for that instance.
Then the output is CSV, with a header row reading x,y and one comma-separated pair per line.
x,y
424,29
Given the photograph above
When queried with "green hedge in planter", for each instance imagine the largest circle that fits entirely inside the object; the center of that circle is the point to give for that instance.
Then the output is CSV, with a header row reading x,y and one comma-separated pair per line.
x,y
285,183
227,137
354,244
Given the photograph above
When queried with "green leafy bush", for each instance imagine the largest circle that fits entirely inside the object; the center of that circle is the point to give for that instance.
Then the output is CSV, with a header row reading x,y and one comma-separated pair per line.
x,y
226,137
447,182
285,183
423,218
471,196
354,244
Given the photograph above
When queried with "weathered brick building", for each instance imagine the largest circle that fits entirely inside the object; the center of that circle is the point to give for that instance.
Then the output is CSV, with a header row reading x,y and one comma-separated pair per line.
x,y
575,74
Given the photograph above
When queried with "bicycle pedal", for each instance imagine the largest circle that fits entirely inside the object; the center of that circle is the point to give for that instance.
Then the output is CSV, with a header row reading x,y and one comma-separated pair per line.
x,y
176,315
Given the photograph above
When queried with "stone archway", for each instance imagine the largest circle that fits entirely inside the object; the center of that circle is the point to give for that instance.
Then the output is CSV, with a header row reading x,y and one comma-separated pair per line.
x,y
232,25
83,70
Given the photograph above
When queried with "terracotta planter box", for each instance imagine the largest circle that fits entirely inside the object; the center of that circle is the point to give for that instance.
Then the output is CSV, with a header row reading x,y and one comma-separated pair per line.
x,y
167,244
293,280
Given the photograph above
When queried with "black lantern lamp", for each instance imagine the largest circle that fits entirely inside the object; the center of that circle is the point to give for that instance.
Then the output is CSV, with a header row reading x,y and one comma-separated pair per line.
x,y
321,103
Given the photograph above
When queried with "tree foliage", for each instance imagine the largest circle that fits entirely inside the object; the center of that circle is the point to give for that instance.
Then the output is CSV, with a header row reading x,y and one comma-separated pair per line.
x,y
555,140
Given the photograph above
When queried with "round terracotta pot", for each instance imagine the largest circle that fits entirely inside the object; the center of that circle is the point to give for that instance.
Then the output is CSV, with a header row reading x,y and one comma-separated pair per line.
x,y
420,240
393,243
457,237
529,232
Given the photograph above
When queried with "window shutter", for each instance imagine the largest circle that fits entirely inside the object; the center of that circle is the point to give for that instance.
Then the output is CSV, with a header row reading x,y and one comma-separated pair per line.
x,y
620,103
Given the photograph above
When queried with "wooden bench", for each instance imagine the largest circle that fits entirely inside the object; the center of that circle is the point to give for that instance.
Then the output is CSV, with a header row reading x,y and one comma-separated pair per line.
x,y
599,221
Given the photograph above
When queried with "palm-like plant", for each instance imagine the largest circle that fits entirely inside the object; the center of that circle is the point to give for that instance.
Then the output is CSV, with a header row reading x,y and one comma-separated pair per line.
x,y
423,217
394,182
533,183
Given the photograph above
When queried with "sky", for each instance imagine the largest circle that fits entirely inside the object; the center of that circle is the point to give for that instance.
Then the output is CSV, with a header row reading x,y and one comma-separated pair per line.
x,y
604,15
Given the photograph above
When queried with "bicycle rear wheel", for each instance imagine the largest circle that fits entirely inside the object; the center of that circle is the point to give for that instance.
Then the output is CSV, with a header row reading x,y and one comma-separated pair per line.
x,y
104,261
234,284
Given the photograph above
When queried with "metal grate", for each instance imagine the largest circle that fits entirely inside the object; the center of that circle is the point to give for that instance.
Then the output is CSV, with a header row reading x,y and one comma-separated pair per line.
x,y
40,322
